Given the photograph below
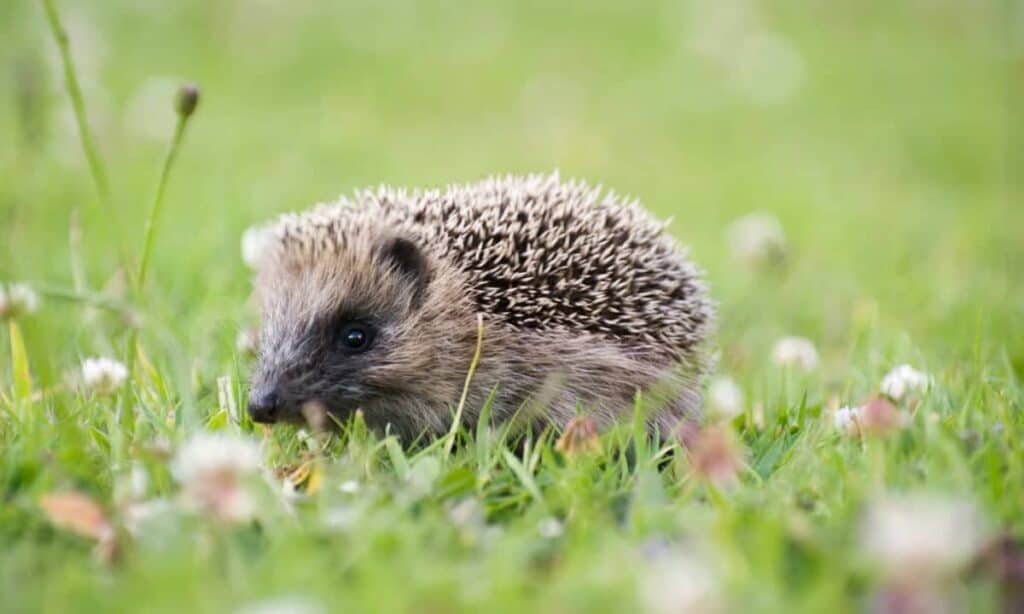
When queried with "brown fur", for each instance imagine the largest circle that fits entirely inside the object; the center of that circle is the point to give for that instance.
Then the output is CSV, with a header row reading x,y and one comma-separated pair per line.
x,y
584,300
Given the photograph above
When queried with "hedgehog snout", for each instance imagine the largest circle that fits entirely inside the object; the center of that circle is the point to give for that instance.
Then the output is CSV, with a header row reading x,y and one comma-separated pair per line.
x,y
264,403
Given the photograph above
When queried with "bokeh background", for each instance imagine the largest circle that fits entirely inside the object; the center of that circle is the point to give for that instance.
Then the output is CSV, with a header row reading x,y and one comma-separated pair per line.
x,y
886,137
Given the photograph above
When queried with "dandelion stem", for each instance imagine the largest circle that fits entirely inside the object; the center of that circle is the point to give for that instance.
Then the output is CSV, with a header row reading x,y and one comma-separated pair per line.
x,y
99,174
158,199
93,300
465,388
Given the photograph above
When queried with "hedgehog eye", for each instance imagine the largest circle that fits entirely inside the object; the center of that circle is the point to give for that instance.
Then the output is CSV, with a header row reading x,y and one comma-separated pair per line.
x,y
355,337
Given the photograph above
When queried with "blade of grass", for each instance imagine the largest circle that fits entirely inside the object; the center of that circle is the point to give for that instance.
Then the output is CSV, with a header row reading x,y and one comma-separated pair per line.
x,y
96,167
92,299
19,364
523,475
450,442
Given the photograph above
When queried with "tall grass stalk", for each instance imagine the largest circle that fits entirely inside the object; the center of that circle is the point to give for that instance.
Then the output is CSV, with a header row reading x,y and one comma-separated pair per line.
x,y
96,167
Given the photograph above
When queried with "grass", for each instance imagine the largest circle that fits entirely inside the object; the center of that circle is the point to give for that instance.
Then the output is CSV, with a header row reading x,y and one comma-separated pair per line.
x,y
892,159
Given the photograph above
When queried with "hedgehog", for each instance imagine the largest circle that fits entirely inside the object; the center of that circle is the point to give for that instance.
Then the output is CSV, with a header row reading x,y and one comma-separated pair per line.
x,y
562,298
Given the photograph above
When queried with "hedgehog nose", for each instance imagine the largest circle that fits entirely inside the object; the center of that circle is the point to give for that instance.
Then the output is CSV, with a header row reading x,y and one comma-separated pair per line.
x,y
263,405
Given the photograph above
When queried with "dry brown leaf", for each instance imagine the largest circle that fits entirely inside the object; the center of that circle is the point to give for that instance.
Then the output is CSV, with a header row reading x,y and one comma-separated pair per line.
x,y
77,513
579,437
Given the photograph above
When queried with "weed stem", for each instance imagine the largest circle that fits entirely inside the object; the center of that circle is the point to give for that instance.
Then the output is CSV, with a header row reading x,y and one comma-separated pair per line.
x,y
158,199
99,174
185,105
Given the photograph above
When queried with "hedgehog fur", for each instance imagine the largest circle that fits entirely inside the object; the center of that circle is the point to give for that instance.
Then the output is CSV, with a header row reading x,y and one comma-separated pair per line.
x,y
585,302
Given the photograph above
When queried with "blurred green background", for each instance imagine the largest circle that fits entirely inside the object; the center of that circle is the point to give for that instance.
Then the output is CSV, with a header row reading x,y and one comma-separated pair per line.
x,y
886,136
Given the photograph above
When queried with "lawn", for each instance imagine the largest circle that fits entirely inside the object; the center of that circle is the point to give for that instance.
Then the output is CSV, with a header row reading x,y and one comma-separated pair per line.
x,y
885,138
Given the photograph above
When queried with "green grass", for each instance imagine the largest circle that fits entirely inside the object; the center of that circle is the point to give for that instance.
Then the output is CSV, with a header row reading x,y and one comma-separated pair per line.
x,y
894,166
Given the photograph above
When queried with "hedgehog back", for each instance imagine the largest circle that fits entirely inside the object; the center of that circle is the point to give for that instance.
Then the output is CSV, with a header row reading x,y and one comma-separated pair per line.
x,y
544,254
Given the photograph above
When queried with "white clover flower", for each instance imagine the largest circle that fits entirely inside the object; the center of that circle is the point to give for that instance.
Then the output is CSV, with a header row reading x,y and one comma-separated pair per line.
x,y
467,514
724,398
103,376
796,351
905,379
680,582
257,243
140,516
17,299
550,528
757,238
921,538
349,487
341,518
286,604
133,485
247,342
212,469
847,420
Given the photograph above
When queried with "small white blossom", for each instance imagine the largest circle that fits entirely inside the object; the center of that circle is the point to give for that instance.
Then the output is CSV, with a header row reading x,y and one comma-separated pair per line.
x,y
341,518
349,487
921,537
133,485
16,300
257,243
467,514
212,469
550,528
904,380
103,376
140,516
796,351
757,238
680,582
724,398
247,342
287,604
847,420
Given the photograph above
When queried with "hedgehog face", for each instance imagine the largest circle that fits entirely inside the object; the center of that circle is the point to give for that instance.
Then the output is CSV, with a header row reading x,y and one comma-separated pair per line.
x,y
337,327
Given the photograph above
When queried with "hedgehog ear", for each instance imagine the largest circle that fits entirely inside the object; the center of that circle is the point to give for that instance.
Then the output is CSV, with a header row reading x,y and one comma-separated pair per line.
x,y
409,260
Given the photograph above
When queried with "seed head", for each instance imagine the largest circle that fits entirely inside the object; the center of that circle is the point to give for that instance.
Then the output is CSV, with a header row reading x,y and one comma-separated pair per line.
x,y
186,100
